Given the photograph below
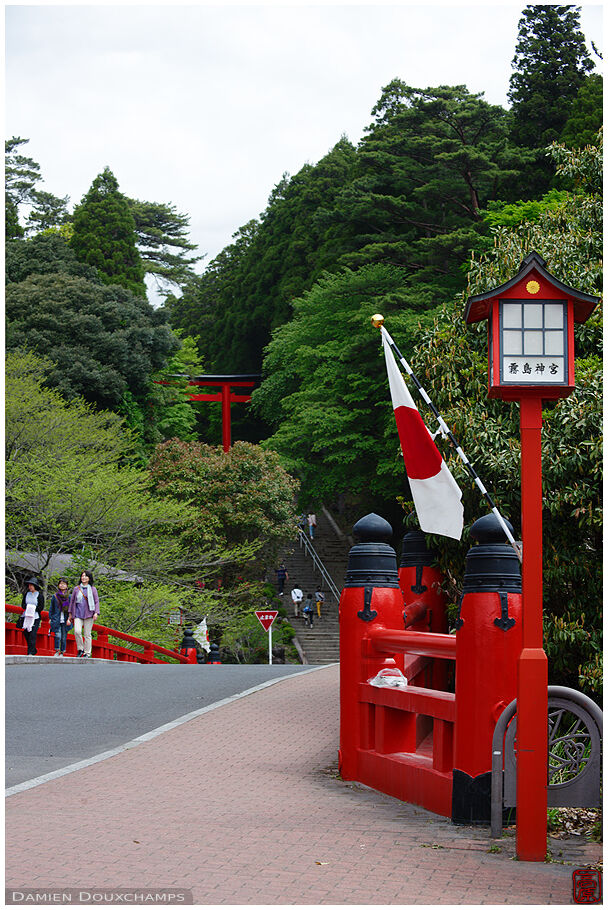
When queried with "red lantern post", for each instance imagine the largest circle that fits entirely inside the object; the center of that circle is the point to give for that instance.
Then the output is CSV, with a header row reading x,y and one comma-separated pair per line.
x,y
530,358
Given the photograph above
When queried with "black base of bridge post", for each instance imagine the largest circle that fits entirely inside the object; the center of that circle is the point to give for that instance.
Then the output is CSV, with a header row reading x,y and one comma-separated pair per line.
x,y
471,798
214,655
188,646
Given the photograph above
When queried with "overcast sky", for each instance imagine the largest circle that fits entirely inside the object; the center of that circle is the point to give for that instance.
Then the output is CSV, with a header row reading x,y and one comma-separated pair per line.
x,y
206,106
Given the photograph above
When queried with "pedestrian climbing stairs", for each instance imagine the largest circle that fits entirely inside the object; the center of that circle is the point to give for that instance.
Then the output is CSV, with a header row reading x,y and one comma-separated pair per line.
x,y
319,645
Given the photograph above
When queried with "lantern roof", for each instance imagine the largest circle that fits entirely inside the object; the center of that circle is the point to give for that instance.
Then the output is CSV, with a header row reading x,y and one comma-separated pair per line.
x,y
478,306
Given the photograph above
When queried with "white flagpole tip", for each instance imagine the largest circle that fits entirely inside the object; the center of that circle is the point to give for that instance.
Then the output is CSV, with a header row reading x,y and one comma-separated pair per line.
x,y
377,320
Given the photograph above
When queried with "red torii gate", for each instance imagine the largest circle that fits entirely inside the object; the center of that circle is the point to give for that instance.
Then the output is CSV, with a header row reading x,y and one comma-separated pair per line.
x,y
225,382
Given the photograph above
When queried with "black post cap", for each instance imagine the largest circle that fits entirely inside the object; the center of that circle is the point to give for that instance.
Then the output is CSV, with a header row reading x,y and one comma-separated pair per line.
x,y
188,639
214,654
414,550
372,561
492,564
488,529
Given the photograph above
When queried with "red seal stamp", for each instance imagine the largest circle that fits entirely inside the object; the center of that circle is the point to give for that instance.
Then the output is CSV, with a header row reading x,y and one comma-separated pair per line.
x,y
587,886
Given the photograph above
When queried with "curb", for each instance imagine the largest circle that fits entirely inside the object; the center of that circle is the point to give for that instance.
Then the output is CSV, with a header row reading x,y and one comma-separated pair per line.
x,y
36,659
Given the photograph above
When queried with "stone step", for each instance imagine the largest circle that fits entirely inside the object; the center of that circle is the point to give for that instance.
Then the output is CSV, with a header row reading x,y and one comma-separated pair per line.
x,y
321,643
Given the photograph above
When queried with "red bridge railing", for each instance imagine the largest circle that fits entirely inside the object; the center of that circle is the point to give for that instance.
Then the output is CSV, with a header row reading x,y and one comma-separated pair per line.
x,y
411,731
150,653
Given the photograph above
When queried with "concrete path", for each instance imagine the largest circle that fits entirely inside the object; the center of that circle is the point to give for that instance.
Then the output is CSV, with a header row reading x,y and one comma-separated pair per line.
x,y
243,805
47,728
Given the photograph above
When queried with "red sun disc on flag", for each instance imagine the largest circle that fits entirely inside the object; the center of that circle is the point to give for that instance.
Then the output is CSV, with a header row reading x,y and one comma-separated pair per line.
x,y
267,617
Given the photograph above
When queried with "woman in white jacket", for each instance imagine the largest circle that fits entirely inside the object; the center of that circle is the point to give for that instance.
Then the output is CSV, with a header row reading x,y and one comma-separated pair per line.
x,y
33,605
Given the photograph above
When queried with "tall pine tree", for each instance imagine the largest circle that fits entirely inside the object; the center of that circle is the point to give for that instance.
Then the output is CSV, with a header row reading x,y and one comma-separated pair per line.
x,y
586,114
162,239
104,235
550,65
429,164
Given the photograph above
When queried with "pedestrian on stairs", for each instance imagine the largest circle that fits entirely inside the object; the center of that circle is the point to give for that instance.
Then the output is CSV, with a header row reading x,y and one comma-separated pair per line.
x,y
307,611
297,595
312,524
282,576
319,598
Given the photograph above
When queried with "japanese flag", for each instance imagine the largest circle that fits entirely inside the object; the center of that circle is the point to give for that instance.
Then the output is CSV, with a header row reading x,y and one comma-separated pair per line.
x,y
437,496
201,635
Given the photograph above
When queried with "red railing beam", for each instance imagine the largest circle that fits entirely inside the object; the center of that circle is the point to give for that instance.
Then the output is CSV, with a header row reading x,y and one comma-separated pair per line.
x,y
427,644
415,699
102,647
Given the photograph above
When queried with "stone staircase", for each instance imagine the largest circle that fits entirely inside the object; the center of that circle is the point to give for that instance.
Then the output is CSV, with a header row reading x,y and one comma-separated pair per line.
x,y
319,645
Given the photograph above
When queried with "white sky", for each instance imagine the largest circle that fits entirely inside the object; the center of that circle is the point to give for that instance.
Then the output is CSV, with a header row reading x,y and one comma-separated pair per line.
x,y
205,106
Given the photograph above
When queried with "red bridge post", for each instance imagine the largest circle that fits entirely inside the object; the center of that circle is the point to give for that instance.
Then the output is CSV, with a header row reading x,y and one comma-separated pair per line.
x,y
488,644
371,598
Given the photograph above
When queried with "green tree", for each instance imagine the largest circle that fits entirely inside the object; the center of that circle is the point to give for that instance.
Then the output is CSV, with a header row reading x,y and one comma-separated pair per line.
x,y
510,214
162,241
104,235
247,290
68,485
452,358
430,162
167,412
142,610
550,66
244,502
243,496
102,341
586,114
325,390
48,212
42,254
22,174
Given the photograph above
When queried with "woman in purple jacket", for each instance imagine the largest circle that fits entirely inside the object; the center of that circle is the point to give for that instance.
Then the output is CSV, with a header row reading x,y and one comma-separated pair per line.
x,y
83,610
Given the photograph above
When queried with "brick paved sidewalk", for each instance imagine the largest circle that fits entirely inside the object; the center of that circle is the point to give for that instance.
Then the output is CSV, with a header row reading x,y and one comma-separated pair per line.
x,y
243,806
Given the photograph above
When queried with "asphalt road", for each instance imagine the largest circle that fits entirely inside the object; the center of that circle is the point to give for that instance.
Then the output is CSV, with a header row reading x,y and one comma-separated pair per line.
x,y
57,714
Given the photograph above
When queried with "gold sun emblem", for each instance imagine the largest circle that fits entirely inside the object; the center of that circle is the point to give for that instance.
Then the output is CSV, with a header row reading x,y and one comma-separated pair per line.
x,y
533,287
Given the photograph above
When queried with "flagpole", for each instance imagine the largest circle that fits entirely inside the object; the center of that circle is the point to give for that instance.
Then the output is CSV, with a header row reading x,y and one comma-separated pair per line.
x,y
378,322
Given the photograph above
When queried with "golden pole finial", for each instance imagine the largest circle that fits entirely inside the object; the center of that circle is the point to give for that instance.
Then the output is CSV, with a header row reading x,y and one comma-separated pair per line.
x,y
377,320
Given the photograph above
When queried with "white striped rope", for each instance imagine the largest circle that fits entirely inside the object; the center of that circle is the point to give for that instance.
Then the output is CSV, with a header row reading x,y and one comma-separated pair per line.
x,y
447,434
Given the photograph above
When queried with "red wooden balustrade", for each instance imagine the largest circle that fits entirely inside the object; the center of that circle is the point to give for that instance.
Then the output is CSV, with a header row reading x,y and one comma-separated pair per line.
x,y
102,646
407,745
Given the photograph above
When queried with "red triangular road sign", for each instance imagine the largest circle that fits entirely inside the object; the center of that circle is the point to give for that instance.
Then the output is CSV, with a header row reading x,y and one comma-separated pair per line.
x,y
267,617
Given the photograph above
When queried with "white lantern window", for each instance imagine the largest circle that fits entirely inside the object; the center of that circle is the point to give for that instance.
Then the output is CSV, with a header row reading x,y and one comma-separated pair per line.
x,y
533,342
511,315
533,316
511,343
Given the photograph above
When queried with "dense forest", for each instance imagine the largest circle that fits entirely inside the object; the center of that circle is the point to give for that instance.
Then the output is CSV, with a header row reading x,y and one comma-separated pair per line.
x,y
442,197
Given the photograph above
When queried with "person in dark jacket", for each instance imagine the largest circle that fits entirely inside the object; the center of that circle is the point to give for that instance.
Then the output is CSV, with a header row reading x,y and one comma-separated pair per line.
x,y
282,576
32,605
307,611
58,615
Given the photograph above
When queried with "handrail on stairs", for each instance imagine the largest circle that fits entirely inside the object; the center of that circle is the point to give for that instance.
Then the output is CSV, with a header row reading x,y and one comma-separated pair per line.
x,y
318,564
